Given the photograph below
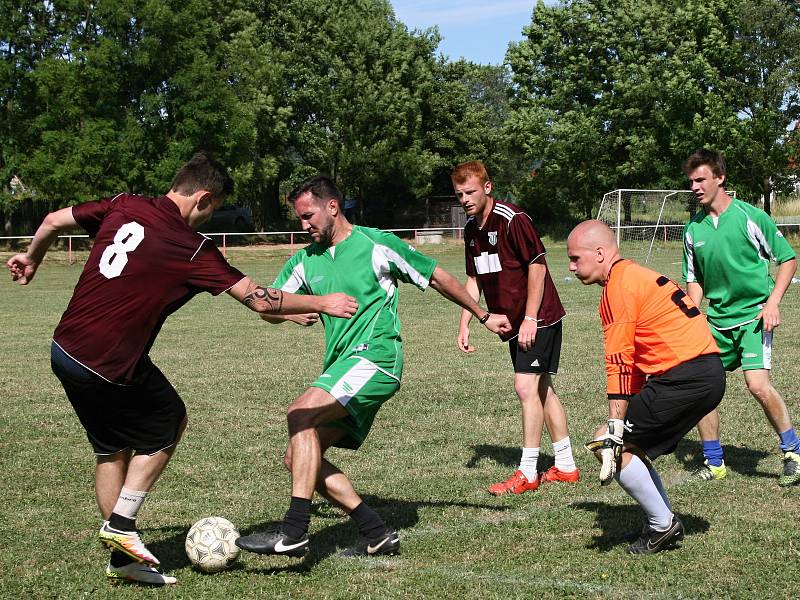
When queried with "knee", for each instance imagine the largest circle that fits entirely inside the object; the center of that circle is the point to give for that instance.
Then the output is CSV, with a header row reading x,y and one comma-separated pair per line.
x,y
525,392
300,416
761,390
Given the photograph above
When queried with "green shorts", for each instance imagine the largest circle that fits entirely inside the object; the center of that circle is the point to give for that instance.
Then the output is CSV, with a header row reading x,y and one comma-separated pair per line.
x,y
747,346
361,387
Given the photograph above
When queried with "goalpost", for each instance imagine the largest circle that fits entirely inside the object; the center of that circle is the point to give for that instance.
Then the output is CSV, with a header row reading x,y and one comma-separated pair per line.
x,y
647,222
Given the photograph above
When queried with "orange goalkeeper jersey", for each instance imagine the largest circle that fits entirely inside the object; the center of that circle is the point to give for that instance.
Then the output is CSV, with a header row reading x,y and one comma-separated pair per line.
x,y
650,325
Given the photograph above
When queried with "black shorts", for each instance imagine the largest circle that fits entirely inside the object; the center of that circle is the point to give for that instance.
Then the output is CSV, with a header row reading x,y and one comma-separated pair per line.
x,y
144,417
545,354
669,405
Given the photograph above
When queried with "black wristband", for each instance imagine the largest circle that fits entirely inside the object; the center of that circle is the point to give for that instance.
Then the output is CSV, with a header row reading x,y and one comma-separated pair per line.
x,y
485,318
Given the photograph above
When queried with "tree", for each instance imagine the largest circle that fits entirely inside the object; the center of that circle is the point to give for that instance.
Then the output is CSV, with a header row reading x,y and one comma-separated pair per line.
x,y
616,94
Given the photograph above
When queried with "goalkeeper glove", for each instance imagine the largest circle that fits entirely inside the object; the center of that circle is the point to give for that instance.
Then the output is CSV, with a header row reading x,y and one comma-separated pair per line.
x,y
609,446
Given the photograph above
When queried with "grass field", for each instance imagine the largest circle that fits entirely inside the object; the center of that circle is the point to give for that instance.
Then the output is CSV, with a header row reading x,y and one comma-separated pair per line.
x,y
452,429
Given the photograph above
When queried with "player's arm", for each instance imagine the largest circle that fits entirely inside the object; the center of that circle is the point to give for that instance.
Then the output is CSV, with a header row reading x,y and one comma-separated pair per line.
x,y
695,292
530,324
449,287
771,314
474,290
304,319
271,301
23,266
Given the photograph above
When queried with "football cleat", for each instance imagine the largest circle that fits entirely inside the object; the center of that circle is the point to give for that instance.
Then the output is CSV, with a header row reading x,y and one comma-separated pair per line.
x,y
386,544
791,469
555,474
139,573
709,472
516,484
274,542
651,541
127,542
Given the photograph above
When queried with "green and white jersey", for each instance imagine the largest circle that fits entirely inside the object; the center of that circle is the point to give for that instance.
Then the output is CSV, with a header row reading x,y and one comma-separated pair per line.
x,y
729,257
366,265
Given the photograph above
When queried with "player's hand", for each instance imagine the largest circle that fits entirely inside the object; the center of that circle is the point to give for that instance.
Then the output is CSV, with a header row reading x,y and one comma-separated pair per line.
x,y
339,305
498,324
463,340
306,320
608,448
527,335
22,268
770,315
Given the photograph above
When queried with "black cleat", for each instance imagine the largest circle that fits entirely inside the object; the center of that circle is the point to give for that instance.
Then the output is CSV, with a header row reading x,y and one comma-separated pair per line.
x,y
652,541
274,542
388,543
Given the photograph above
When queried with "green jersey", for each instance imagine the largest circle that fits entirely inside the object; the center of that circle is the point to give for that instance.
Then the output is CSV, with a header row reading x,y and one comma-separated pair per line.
x,y
366,265
729,257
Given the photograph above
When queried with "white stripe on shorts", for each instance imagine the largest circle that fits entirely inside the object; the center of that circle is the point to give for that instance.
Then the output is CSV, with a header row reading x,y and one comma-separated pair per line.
x,y
352,381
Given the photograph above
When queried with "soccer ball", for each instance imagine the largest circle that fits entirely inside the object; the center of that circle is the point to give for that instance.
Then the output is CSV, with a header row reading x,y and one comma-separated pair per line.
x,y
210,544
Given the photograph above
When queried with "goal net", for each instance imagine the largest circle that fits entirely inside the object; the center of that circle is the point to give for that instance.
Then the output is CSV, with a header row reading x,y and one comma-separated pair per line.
x,y
648,223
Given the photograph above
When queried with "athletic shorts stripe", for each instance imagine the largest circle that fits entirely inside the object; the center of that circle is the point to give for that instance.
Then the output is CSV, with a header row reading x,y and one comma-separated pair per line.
x,y
361,387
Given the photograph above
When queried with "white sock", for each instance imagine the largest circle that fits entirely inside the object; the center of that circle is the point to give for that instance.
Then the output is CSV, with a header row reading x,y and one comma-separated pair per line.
x,y
635,479
527,464
564,459
129,503
659,485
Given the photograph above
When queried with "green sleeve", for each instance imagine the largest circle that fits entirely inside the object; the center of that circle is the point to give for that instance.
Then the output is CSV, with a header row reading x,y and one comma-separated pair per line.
x,y
292,276
406,262
780,249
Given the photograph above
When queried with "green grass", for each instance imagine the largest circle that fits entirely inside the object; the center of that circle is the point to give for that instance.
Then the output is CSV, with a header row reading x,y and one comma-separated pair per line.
x,y
452,429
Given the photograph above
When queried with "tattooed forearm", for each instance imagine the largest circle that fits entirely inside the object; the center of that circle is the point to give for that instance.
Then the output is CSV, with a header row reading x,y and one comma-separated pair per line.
x,y
264,300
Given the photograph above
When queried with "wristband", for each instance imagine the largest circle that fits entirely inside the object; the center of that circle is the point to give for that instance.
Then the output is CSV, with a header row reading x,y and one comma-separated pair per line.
x,y
485,318
528,318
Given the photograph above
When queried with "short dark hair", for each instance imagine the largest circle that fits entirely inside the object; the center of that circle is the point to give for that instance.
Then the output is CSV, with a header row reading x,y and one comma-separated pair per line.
x,y
203,172
320,186
711,158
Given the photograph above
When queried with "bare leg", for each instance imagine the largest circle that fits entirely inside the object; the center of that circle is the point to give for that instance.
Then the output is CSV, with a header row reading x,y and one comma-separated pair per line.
x,y
109,478
555,417
760,386
708,427
313,408
527,386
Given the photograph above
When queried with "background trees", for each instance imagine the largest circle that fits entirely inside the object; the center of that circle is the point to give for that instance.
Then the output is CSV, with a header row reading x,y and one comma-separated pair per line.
x,y
102,96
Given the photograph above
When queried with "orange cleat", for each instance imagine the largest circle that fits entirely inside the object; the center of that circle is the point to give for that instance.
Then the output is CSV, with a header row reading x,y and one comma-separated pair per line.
x,y
516,484
554,474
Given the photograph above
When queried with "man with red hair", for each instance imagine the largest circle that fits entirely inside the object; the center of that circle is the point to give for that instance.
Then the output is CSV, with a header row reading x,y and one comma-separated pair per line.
x,y
505,260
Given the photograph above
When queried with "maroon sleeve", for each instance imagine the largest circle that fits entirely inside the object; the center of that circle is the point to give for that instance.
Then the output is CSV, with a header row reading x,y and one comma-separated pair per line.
x,y
526,242
90,215
211,272
469,261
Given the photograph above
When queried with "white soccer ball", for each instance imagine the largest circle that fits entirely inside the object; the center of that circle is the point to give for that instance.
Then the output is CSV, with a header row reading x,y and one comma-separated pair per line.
x,y
210,544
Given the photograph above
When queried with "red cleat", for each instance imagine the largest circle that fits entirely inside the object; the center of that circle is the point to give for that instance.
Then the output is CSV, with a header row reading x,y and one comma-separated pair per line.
x,y
554,474
516,484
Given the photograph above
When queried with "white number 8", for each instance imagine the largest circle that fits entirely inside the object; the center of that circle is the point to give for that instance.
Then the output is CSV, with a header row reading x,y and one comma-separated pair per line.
x,y
115,256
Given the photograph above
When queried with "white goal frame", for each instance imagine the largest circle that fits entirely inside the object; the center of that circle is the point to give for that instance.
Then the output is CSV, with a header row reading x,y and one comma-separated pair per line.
x,y
649,218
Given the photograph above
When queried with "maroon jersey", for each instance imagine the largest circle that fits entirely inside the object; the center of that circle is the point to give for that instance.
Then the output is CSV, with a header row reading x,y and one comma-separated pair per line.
x,y
146,263
498,254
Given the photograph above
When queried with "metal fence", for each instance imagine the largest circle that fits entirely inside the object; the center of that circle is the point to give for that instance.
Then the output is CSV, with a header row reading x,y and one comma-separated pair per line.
x,y
421,235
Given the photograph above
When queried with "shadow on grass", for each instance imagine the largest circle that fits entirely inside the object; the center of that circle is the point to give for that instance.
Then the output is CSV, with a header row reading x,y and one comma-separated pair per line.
x,y
616,521
740,460
504,455
398,514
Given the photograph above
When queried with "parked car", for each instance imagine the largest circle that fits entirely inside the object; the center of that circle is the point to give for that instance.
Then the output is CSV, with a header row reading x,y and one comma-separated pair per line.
x,y
230,218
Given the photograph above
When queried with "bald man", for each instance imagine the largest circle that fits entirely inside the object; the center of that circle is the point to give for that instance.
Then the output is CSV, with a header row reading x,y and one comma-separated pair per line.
x,y
664,374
